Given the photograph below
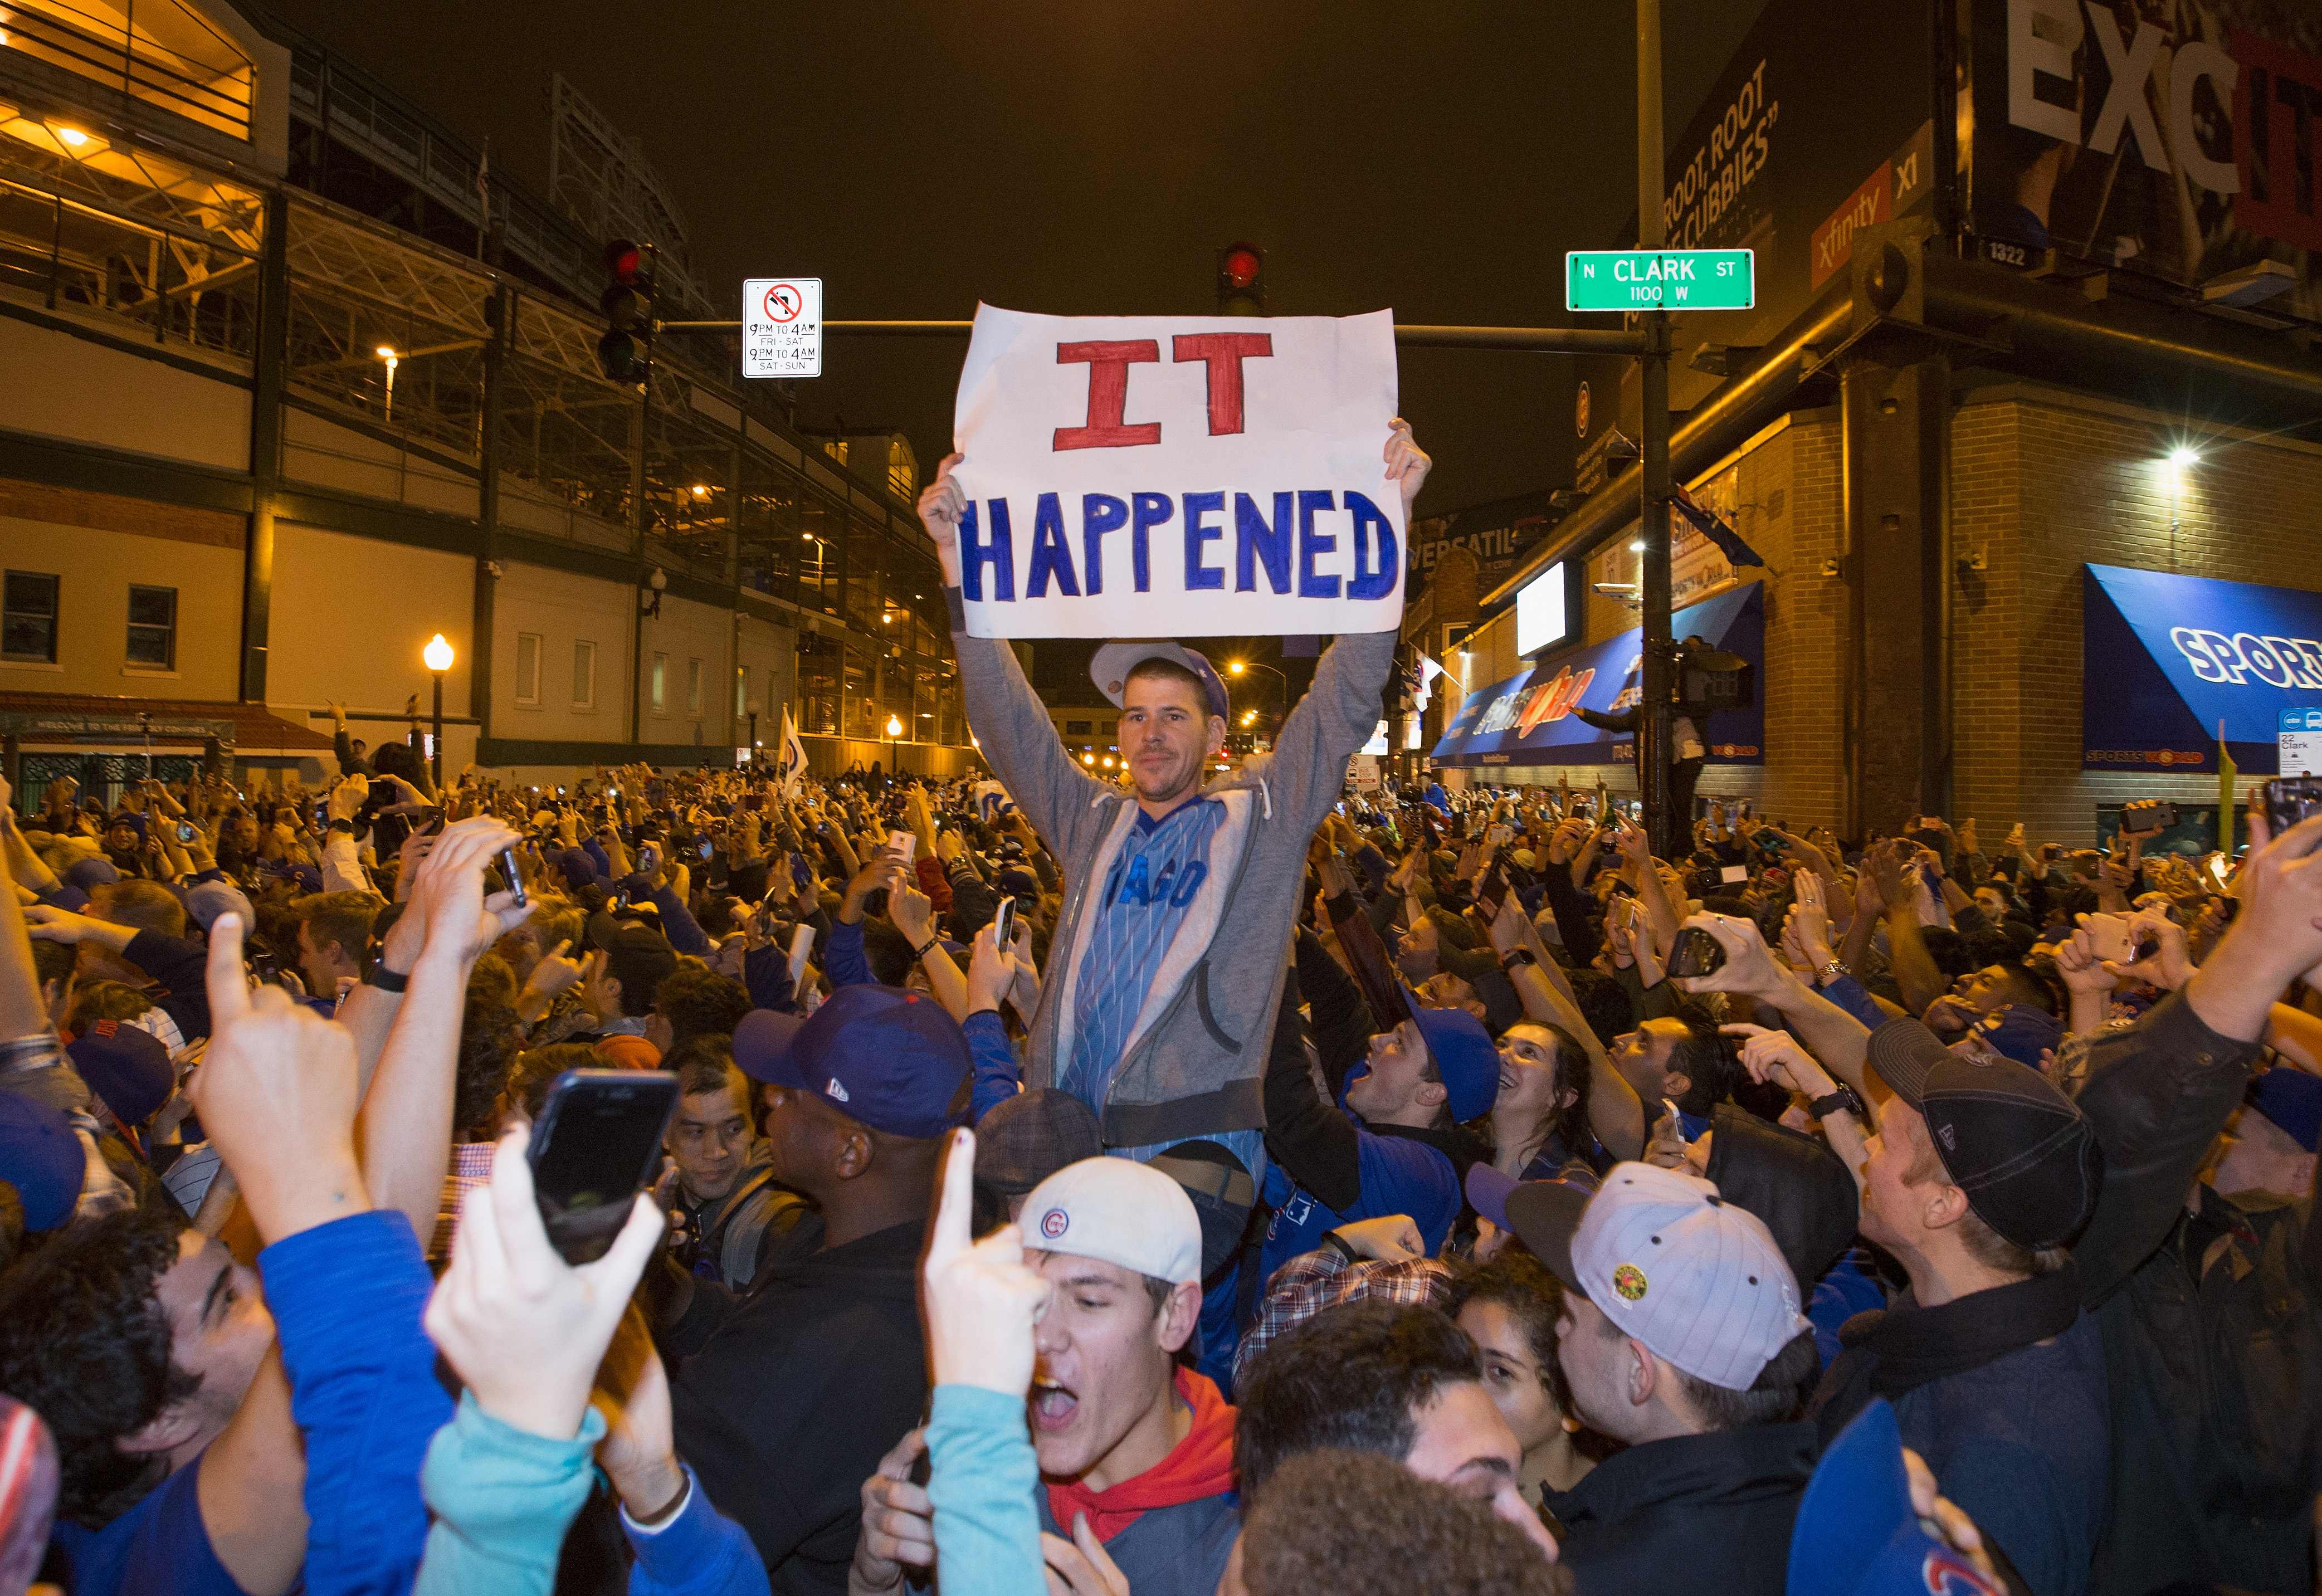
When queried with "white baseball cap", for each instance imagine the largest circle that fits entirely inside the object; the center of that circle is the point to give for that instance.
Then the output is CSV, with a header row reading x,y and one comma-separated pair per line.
x,y
1672,1264
1116,1211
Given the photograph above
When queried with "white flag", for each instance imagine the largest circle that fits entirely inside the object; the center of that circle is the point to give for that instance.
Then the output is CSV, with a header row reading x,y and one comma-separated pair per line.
x,y
789,766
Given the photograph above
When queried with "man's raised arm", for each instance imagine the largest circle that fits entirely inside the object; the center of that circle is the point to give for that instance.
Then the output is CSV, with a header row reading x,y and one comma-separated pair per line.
x,y
1010,723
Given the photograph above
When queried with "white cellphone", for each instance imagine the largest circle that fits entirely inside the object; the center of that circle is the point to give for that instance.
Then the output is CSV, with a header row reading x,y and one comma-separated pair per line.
x,y
801,946
903,844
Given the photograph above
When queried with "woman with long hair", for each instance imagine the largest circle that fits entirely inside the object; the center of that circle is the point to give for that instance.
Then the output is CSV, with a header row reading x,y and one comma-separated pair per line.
x,y
1539,1120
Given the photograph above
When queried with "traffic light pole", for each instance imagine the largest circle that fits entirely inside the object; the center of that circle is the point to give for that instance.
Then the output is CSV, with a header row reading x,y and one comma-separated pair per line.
x,y
1545,341
1666,828
640,527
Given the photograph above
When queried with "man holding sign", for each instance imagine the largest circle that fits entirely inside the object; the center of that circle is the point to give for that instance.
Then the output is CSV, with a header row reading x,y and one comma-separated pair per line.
x,y
1236,486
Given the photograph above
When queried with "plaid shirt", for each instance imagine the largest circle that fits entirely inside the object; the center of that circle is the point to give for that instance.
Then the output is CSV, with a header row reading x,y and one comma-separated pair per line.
x,y
472,1166
1315,1281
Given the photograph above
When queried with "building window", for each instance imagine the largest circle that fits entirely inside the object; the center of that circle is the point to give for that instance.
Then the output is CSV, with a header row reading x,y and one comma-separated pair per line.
x,y
153,628
694,686
1076,728
584,674
527,669
28,619
660,683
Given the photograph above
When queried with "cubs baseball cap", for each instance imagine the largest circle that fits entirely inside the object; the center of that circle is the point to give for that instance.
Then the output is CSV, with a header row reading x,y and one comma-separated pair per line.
x,y
1463,1055
2021,1150
128,1068
1857,1534
761,1047
206,900
1672,1264
884,1057
1116,1211
1024,1139
1109,667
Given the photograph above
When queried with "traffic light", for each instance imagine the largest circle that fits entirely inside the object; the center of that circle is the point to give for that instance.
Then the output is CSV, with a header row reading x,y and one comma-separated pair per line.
x,y
1242,280
626,351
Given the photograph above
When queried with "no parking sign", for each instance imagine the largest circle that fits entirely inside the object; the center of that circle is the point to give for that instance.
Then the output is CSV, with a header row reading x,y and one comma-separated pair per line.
x,y
782,326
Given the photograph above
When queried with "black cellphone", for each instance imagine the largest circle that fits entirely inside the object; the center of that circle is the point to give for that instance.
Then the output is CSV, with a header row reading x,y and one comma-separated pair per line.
x,y
2290,800
382,792
2157,814
513,876
800,870
597,1144
1695,953
1004,924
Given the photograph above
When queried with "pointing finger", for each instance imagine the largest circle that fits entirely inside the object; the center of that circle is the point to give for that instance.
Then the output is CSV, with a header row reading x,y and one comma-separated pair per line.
x,y
950,1237
229,996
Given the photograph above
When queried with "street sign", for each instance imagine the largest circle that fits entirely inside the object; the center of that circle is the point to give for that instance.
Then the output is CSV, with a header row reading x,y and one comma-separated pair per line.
x,y
1660,279
2299,742
782,326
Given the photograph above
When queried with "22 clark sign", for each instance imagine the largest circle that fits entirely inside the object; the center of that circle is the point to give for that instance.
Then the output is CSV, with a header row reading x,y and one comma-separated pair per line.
x,y
1178,477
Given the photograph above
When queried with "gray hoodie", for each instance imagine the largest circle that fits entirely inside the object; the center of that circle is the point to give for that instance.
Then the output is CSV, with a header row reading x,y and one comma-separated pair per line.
x,y
1193,1061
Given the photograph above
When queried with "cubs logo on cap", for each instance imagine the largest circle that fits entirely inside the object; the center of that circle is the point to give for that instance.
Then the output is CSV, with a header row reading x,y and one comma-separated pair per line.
x,y
1053,1224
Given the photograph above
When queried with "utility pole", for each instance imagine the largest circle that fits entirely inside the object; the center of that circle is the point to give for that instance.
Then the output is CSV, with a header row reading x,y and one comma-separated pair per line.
x,y
1653,748
640,519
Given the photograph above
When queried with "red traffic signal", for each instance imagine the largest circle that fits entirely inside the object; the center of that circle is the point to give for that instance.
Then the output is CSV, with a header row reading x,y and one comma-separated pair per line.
x,y
1242,280
624,261
625,352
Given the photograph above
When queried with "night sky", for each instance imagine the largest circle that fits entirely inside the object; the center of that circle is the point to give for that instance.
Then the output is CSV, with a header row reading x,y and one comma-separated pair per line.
x,y
1436,157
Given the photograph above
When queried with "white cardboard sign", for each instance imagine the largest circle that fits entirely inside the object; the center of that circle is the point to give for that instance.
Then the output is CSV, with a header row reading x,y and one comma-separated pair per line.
x,y
1178,477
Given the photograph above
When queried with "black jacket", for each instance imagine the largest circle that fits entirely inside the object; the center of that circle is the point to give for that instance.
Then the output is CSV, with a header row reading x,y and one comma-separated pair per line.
x,y
1659,1517
794,1401
2213,1342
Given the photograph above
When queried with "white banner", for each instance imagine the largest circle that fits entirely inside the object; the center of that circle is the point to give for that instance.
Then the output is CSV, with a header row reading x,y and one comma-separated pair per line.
x,y
1178,477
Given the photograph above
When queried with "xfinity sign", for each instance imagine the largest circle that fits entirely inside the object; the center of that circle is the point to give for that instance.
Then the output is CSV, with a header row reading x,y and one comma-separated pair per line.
x,y
1660,279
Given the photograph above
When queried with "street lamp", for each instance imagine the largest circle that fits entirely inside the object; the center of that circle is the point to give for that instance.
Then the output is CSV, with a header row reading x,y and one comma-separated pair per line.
x,y
386,352
894,730
754,744
1236,667
438,655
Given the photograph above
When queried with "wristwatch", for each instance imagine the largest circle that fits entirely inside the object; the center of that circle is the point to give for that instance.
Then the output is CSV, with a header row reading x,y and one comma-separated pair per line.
x,y
1831,971
1515,956
1843,1098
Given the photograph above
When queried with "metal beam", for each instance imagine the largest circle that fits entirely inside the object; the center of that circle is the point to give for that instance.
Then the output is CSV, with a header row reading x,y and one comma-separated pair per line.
x,y
1568,340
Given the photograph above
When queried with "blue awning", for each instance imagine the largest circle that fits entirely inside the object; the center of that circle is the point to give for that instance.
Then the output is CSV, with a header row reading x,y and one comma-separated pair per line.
x,y
2166,659
1528,720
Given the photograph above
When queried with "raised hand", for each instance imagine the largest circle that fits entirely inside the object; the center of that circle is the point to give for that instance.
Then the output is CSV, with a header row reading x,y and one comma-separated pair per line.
x,y
276,1091
1776,1057
991,970
1407,461
1390,1238
982,1299
1749,969
462,923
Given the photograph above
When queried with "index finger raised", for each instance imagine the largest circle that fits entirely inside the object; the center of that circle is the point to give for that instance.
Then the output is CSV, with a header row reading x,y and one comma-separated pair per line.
x,y
229,995
949,1236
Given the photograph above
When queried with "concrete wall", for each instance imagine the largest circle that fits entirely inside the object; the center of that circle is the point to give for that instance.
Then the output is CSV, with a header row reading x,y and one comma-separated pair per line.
x,y
687,637
561,608
60,384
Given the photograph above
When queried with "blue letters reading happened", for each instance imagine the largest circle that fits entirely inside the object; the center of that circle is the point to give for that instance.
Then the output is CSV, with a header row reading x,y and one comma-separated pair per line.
x,y
1050,553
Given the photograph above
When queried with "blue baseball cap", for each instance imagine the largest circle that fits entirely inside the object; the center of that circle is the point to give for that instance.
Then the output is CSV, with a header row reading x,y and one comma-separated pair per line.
x,y
884,1057
128,1068
85,873
1109,667
761,1047
41,1158
2292,1099
1463,1055
2020,1032
1856,1534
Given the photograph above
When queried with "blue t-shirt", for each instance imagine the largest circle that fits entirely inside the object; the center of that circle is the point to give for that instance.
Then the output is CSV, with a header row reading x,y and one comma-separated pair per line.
x,y
158,1545
1399,1175
1162,870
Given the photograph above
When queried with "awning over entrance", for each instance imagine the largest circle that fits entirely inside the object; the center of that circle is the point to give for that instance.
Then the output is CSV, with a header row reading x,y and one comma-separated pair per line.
x,y
1527,719
2166,659
78,720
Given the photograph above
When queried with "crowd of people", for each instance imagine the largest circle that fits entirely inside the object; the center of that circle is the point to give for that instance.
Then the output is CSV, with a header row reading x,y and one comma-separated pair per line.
x,y
1197,1182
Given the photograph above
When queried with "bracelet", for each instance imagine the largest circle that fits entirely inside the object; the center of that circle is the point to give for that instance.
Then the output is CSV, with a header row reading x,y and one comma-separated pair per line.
x,y
386,980
1842,1099
925,948
1338,1243
668,1510
1832,970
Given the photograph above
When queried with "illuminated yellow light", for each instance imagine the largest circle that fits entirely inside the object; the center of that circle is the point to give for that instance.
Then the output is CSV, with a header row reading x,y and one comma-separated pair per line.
x,y
894,726
2182,457
437,653
73,136
385,352
1234,668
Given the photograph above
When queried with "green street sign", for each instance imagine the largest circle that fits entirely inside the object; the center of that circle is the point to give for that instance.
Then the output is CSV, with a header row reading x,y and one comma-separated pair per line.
x,y
1660,279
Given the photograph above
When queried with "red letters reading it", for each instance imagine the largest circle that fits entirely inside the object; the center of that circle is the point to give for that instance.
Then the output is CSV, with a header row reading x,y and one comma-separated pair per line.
x,y
1108,362
1223,353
